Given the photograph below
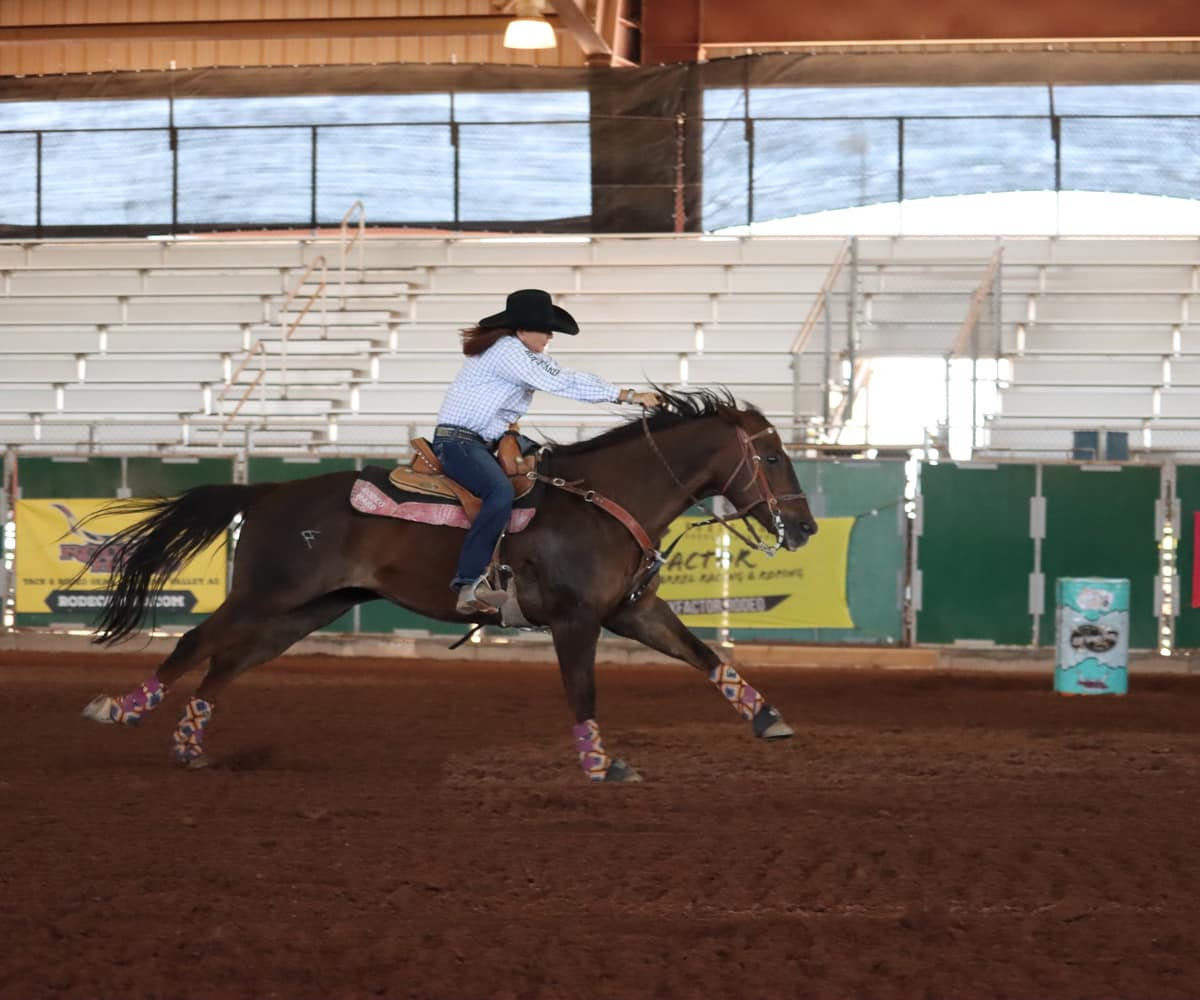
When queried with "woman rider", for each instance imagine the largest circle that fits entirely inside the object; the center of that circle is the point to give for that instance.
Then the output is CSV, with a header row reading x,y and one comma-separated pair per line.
x,y
506,362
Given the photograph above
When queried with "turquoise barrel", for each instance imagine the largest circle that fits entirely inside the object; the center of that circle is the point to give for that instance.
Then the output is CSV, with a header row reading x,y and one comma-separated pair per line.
x,y
1093,636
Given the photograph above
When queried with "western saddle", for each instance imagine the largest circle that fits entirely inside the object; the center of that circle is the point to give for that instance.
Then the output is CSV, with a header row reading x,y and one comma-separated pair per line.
x,y
426,475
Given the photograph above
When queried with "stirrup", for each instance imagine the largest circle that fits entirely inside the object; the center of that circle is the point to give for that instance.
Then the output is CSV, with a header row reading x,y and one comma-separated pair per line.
x,y
478,596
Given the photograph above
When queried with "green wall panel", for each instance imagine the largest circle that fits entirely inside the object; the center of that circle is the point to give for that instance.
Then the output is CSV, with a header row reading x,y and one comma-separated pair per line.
x,y
278,470
41,478
975,554
873,493
383,616
150,477
1187,624
1100,522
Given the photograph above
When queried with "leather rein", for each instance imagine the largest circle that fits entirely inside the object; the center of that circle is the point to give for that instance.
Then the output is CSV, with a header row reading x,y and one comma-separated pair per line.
x,y
652,558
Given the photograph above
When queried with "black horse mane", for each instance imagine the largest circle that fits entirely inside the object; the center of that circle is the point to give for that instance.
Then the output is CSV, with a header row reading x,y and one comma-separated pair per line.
x,y
678,407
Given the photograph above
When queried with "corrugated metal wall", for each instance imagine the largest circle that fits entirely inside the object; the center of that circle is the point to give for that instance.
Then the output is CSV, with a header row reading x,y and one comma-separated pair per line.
x,y
32,58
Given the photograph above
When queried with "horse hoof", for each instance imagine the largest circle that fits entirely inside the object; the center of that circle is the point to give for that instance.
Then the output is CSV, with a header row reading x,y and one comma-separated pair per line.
x,y
769,725
619,770
101,709
778,731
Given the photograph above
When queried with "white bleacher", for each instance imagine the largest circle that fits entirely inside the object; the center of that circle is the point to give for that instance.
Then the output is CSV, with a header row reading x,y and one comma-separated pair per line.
x,y
1181,402
1183,371
1069,401
168,281
118,398
1053,370
139,337
1103,307
1094,329
886,338
1091,339
38,369
21,399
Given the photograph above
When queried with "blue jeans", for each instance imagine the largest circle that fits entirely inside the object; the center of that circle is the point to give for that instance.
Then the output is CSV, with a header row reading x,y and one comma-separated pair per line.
x,y
470,463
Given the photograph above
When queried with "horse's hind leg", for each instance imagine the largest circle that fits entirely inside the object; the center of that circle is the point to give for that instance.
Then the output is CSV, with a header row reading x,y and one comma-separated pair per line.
x,y
193,648
256,640
651,621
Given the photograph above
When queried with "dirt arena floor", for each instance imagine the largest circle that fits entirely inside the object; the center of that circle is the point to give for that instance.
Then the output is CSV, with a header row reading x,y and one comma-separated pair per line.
x,y
420,830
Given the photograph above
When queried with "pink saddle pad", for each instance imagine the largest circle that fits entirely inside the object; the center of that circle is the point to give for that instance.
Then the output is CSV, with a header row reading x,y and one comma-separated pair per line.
x,y
367,498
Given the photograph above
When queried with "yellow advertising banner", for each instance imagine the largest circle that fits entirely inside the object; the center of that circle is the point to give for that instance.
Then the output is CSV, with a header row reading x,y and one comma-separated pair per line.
x,y
53,546
713,580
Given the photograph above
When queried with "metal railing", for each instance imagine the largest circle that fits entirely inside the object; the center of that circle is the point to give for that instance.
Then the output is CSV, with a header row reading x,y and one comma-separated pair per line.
x,y
821,308
755,168
345,242
970,323
309,299
259,382
987,291
259,346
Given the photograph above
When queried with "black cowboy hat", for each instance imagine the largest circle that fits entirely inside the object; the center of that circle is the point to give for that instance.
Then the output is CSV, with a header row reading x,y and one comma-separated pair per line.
x,y
531,309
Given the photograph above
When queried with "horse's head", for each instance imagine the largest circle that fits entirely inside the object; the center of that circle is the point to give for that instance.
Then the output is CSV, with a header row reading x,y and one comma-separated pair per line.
x,y
760,480
708,446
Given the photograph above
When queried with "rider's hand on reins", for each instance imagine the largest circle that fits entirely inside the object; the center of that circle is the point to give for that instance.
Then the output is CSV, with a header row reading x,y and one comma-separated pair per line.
x,y
647,399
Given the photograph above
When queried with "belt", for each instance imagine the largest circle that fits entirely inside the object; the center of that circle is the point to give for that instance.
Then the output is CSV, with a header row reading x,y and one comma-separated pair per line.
x,y
450,431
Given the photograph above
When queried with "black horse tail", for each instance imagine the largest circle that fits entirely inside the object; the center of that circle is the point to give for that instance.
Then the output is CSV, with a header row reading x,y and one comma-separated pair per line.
x,y
145,555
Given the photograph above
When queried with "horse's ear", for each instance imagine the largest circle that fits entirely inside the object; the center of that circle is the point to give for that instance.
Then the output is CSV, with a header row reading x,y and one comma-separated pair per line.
x,y
747,416
731,413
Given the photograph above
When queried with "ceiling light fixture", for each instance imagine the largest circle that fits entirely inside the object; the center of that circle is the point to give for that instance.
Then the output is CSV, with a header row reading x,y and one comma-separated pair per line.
x,y
528,29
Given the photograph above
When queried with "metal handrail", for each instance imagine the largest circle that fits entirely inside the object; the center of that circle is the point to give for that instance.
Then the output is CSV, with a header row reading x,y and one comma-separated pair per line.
x,y
319,293
859,380
257,382
814,313
232,380
346,243
969,325
981,293
259,347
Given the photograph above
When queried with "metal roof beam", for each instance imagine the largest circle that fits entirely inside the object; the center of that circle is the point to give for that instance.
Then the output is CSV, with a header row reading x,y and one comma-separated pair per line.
x,y
248,29
576,21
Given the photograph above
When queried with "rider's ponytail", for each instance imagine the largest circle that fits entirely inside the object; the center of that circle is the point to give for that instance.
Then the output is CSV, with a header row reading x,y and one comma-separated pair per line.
x,y
478,339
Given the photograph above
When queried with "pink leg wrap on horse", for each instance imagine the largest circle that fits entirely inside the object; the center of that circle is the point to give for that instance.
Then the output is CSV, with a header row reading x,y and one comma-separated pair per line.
x,y
745,700
592,758
189,734
128,711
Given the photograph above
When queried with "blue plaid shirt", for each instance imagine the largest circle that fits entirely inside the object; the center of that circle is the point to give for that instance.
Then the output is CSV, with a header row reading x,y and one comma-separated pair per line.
x,y
495,388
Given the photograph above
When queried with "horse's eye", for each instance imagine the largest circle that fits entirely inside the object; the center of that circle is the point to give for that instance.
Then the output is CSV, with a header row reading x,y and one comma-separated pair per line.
x,y
772,459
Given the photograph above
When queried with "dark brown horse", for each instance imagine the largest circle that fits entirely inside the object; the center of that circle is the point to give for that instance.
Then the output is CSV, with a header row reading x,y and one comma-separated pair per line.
x,y
304,557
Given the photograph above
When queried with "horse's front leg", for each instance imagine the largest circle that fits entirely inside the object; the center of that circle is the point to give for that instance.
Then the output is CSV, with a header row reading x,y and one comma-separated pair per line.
x,y
575,641
651,621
